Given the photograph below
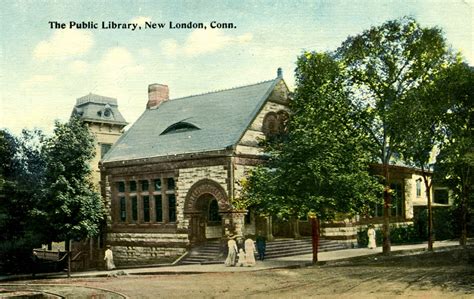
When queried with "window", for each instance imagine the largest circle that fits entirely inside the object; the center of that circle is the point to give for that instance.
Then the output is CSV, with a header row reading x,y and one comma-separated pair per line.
x,y
247,218
104,148
144,185
158,208
214,212
418,188
441,196
134,208
397,199
123,209
170,184
133,186
121,187
172,207
178,127
146,208
270,125
157,184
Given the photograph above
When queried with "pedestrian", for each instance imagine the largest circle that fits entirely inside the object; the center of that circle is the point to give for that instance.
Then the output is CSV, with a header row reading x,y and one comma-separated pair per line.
x,y
232,252
261,246
371,234
241,261
249,252
109,259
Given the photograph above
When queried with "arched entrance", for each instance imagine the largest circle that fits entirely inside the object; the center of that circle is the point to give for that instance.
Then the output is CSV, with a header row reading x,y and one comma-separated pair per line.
x,y
205,203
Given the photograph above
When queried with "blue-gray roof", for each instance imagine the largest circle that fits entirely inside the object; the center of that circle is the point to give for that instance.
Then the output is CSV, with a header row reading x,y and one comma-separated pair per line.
x,y
96,108
199,123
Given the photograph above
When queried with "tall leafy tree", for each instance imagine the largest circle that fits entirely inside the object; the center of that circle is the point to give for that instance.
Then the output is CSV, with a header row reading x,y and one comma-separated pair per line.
x,y
383,65
71,208
321,165
21,176
455,161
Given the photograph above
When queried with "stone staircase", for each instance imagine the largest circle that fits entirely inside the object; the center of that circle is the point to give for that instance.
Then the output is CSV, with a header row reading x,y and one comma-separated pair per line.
x,y
212,253
208,253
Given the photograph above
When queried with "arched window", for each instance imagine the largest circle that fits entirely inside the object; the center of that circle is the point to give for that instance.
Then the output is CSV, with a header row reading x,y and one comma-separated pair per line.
x,y
270,124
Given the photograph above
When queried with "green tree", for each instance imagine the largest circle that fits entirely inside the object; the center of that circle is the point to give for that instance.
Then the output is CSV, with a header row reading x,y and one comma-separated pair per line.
x,y
21,179
71,208
383,65
455,161
321,165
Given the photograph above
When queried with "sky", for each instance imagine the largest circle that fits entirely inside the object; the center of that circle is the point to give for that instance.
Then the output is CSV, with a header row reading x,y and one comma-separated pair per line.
x,y
43,70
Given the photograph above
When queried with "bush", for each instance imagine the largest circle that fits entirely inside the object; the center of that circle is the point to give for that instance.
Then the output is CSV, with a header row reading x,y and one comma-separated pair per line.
x,y
398,235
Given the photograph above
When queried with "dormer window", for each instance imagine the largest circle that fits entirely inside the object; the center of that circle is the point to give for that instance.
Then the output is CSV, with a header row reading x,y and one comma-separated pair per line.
x,y
106,112
179,127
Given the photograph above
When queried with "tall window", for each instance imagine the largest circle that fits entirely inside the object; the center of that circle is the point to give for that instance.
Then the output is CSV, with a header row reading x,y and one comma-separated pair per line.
x,y
397,199
121,186
157,183
170,182
123,209
418,188
159,208
146,208
172,207
144,185
134,208
133,186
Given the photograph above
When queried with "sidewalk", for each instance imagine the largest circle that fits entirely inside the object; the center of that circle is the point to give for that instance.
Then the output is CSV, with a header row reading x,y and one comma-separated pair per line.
x,y
283,262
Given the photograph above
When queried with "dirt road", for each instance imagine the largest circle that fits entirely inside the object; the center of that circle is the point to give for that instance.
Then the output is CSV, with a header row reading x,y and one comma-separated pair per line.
x,y
447,274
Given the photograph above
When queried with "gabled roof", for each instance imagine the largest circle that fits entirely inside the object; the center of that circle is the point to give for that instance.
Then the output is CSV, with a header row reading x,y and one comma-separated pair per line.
x,y
96,108
199,123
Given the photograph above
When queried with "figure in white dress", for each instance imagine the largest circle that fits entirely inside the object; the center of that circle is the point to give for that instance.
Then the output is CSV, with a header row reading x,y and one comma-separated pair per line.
x,y
371,235
109,259
241,256
232,254
249,252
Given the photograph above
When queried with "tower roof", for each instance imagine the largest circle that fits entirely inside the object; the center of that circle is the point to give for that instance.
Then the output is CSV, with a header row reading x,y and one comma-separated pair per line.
x,y
97,108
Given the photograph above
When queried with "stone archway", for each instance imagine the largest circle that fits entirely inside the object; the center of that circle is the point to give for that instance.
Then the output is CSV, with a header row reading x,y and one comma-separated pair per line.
x,y
196,207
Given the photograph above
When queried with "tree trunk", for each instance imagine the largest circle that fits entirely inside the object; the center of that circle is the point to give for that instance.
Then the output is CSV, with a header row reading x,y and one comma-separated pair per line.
x,y
430,212
315,237
463,238
67,246
386,212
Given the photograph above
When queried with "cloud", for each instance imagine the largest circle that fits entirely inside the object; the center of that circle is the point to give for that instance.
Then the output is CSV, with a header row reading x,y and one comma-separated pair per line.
x,y
140,20
64,44
202,42
116,69
78,67
37,81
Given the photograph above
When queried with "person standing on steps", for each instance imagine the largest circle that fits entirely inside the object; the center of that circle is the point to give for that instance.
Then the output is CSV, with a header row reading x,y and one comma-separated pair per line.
x,y
261,246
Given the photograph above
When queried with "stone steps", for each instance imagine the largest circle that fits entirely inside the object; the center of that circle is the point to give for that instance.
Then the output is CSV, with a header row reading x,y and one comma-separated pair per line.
x,y
212,253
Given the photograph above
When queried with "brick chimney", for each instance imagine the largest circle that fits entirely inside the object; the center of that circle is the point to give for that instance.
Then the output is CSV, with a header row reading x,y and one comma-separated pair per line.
x,y
157,93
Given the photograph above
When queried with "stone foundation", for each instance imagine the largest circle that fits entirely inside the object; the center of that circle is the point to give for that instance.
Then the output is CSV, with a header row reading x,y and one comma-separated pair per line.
x,y
146,248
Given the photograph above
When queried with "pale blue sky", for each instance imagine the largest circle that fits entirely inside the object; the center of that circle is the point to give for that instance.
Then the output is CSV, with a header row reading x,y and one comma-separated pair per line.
x,y
43,70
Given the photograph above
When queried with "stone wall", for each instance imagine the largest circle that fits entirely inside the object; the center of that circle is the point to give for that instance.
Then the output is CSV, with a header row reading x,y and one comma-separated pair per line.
x,y
249,142
188,177
146,248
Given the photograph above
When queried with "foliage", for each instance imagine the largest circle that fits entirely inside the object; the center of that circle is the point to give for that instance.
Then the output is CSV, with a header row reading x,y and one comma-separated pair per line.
x,y
21,176
383,66
321,164
71,209
455,161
